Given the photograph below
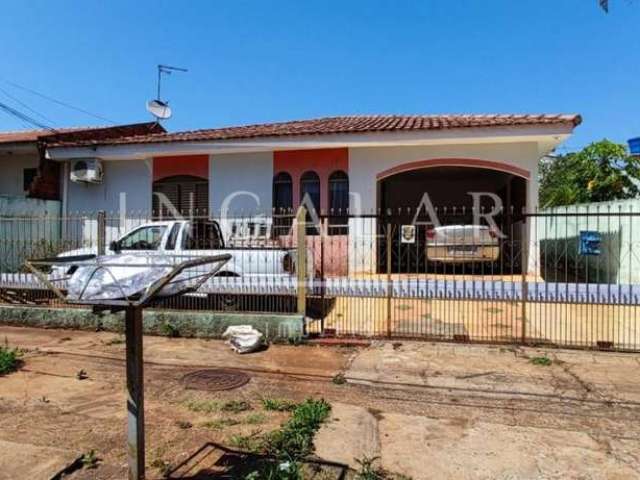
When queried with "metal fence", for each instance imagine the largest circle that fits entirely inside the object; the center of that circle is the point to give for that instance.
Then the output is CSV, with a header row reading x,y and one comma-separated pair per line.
x,y
568,277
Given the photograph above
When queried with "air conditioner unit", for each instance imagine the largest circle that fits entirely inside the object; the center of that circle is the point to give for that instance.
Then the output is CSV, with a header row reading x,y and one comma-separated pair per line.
x,y
86,170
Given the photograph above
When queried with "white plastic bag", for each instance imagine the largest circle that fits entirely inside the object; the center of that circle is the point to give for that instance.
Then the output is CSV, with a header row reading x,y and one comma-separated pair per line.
x,y
243,338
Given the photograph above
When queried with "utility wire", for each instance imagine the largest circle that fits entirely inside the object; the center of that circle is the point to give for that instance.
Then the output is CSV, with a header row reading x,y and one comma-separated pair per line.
x,y
24,105
59,102
24,117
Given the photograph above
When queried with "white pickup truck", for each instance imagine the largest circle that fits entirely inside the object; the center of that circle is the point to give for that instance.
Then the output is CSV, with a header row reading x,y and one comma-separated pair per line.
x,y
200,238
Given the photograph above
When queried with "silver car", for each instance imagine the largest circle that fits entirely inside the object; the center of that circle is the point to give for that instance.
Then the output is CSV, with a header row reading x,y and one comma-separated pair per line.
x,y
462,244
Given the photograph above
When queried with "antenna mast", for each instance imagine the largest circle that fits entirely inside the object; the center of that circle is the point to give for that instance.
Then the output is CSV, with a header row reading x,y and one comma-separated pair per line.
x,y
166,69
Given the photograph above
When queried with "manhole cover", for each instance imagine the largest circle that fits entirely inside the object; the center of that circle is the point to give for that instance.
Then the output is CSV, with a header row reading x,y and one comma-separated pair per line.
x,y
215,380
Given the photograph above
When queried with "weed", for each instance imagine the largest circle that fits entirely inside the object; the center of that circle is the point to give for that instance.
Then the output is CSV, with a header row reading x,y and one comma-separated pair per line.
x,y
236,406
295,439
163,466
253,442
184,425
255,419
89,459
543,361
9,359
339,379
278,404
170,330
281,471
367,470
203,406
220,424
82,375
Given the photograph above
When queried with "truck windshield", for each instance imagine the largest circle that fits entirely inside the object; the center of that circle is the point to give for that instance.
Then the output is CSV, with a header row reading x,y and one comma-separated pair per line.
x,y
145,238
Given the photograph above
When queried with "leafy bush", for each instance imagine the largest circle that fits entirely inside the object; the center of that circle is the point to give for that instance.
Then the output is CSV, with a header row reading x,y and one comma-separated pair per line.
x,y
9,359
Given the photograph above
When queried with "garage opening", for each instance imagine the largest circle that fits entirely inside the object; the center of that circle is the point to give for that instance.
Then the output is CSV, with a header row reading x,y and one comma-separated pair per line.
x,y
401,197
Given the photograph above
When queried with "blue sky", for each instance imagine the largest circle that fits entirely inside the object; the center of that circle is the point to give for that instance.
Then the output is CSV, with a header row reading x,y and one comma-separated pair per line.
x,y
267,61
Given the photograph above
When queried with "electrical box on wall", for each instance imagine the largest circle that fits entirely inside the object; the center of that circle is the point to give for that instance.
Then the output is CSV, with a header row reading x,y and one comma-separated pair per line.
x,y
589,242
86,170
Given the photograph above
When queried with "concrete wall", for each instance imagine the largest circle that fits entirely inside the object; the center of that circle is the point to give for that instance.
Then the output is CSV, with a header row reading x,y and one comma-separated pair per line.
x,y
12,168
557,239
132,177
241,172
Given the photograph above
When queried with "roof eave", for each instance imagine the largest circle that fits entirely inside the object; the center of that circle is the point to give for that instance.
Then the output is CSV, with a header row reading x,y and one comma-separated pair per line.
x,y
550,134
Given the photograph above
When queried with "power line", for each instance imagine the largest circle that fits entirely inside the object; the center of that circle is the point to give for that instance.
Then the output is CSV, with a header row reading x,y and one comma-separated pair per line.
x,y
59,102
24,117
45,118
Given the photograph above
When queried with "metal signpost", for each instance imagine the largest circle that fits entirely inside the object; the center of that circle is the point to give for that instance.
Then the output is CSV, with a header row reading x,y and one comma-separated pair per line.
x,y
172,275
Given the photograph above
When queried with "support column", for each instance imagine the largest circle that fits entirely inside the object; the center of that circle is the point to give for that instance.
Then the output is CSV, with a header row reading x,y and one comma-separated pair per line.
x,y
135,393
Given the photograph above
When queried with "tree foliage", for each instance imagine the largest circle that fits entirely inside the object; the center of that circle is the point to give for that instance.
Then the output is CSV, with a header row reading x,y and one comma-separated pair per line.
x,y
600,172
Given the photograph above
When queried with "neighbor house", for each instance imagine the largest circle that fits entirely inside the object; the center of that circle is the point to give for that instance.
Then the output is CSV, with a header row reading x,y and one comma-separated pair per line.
x,y
363,164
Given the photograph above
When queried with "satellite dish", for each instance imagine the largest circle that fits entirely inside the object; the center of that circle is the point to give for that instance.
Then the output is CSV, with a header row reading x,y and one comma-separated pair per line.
x,y
159,109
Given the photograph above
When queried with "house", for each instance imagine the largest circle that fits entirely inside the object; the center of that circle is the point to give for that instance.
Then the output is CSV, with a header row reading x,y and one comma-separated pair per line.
x,y
363,164
25,170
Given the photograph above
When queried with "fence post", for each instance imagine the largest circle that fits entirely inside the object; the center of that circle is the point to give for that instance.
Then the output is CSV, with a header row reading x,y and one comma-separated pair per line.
x,y
524,267
301,260
102,232
389,284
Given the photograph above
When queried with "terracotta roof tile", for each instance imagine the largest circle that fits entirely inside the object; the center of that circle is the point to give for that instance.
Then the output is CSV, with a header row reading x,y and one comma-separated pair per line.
x,y
79,134
343,124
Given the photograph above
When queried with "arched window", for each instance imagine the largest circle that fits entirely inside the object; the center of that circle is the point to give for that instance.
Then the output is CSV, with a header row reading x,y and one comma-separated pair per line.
x,y
282,192
282,203
338,203
310,193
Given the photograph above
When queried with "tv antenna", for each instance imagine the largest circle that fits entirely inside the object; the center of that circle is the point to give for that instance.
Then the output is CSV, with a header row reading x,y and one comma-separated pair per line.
x,y
157,107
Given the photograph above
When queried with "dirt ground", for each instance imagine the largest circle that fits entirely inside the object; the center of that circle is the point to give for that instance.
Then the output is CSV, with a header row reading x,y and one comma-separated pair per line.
x,y
427,410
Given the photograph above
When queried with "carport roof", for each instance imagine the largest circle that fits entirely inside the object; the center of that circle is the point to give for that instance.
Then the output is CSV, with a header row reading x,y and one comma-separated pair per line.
x,y
338,125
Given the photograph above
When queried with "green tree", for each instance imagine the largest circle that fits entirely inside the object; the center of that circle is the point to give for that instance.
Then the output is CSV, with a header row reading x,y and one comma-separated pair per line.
x,y
600,172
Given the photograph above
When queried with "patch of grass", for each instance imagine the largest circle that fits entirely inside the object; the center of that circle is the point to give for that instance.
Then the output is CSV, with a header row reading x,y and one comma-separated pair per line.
x,y
339,379
220,424
254,442
115,341
255,419
543,361
184,425
278,404
493,310
404,306
202,406
236,406
9,359
89,459
170,330
294,439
